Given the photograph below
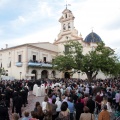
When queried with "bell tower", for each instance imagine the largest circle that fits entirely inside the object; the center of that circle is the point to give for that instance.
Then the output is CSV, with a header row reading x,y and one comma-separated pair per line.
x,y
67,31
67,21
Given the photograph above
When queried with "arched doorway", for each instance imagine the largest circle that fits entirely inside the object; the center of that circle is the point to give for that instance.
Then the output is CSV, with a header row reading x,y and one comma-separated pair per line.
x,y
44,74
35,75
53,74
67,75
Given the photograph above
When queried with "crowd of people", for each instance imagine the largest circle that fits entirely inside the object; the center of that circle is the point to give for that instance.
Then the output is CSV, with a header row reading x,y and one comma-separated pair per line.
x,y
65,99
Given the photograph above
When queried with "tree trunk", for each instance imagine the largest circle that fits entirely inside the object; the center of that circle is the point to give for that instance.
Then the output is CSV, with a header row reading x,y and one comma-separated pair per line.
x,y
89,76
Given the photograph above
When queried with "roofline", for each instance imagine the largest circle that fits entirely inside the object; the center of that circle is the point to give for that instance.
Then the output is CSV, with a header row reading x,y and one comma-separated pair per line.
x,y
28,44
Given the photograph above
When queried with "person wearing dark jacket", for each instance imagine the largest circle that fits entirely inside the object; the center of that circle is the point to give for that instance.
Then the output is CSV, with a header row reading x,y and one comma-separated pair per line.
x,y
7,96
79,108
23,95
3,111
15,93
18,104
91,105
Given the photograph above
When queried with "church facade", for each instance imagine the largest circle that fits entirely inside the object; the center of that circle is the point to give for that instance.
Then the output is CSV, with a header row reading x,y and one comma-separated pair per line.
x,y
34,60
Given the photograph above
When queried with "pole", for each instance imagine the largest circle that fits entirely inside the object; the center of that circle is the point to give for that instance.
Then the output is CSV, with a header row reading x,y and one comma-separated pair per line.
x,y
20,75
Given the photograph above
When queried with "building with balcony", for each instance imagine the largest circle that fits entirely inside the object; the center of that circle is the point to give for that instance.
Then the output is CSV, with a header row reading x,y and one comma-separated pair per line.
x,y
34,60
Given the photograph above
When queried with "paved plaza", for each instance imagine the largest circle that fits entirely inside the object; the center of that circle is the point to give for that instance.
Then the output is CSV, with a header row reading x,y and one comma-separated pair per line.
x,y
30,106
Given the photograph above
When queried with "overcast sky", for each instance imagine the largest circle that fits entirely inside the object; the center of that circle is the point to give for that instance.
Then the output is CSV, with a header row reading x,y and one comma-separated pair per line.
x,y
26,21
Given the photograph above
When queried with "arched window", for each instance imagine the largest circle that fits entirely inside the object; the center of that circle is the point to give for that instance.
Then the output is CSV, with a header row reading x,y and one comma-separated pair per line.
x,y
65,15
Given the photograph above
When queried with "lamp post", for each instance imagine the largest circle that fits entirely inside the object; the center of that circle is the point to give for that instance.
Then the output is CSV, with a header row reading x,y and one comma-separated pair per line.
x,y
78,74
20,75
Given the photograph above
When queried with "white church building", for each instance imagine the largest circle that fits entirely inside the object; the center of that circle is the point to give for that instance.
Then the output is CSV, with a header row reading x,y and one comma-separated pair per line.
x,y
34,60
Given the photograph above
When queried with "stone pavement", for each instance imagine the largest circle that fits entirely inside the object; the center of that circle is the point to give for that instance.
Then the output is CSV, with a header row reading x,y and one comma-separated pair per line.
x,y
30,106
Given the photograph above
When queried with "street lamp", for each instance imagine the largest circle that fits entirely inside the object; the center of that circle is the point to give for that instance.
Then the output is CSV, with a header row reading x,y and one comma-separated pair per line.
x,y
78,74
20,75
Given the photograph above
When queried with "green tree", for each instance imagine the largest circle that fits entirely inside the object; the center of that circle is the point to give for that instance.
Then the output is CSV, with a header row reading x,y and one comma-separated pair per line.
x,y
100,59
116,71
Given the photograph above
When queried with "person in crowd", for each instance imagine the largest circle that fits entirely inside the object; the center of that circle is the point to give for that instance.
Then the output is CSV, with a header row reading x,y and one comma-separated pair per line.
x,y
66,105
34,116
44,103
64,114
79,108
117,112
74,96
50,98
38,110
14,94
8,95
3,111
58,103
117,99
36,105
40,114
113,98
26,116
48,112
18,104
23,95
98,100
91,104
15,116
104,114
85,98
71,107
105,102
54,107
86,115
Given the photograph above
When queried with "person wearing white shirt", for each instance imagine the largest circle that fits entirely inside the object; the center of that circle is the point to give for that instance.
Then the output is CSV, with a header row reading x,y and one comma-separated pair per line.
x,y
61,90
44,103
87,90
58,103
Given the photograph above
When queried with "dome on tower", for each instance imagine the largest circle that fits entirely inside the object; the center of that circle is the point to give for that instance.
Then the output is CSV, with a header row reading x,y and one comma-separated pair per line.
x,y
93,37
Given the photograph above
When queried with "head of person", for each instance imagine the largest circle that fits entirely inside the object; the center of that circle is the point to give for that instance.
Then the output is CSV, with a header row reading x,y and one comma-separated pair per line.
x,y
33,114
63,107
53,101
26,114
65,103
98,93
104,107
37,104
46,99
90,97
15,116
50,96
86,109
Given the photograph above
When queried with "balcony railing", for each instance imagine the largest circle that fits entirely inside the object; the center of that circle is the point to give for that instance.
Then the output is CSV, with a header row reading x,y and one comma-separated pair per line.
x,y
18,64
39,64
